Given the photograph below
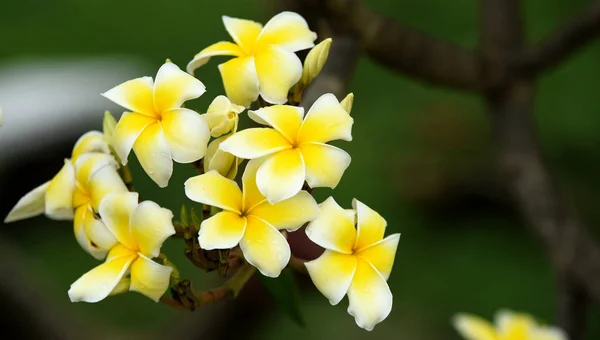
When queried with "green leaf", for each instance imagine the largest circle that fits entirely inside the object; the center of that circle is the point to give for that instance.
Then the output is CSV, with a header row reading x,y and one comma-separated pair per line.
x,y
285,292
183,215
196,220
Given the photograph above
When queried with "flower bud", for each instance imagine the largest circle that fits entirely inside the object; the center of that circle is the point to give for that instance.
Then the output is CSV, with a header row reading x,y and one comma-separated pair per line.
x,y
108,126
315,60
347,102
222,116
223,162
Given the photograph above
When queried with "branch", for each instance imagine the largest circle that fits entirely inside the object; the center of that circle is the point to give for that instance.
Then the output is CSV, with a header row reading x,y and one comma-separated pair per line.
x,y
572,305
297,264
563,42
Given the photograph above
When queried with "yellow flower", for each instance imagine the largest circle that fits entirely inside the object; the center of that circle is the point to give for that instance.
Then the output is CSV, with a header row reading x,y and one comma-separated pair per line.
x,y
295,148
248,219
357,261
140,230
223,162
509,326
264,61
158,129
222,116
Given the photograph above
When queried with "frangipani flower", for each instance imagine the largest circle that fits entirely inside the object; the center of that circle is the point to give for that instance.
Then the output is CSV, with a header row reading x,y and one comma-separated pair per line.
x,y
264,61
357,261
140,230
223,162
158,129
222,116
248,219
295,148
509,326
40,200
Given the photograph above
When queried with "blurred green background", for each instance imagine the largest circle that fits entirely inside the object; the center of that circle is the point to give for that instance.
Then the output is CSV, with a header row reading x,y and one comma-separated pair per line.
x,y
421,156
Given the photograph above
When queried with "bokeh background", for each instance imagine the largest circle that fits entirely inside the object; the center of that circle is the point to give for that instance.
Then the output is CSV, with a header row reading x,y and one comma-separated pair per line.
x,y
421,156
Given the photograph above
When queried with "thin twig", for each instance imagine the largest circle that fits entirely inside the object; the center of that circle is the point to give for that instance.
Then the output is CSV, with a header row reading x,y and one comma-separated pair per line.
x,y
297,265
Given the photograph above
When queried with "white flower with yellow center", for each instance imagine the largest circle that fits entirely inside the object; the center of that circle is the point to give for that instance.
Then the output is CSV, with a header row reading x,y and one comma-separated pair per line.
x,y
509,326
265,62
140,229
222,116
357,261
158,129
295,149
248,219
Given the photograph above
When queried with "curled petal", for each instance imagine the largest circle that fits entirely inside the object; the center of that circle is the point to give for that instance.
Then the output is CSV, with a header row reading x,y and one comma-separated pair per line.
x,y
88,164
100,238
264,247
149,278
187,135
288,30
150,226
472,327
128,129
255,143
243,32
281,176
370,225
59,193
332,274
30,205
116,210
153,152
134,95
104,181
222,231
325,164
326,121
278,70
285,119
369,295
215,190
92,141
240,80
223,48
223,162
288,214
81,217
381,254
99,282
173,87
333,228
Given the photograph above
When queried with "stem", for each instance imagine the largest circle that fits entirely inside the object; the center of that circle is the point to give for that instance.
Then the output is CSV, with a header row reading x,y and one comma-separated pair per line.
x,y
172,303
297,265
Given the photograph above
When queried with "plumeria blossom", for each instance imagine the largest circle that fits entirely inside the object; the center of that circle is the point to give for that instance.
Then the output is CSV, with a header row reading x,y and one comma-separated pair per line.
x,y
248,219
357,261
222,116
508,326
157,128
265,62
140,230
223,162
295,148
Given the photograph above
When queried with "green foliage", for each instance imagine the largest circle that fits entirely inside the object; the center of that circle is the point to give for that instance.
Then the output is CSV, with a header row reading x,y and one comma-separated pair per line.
x,y
285,292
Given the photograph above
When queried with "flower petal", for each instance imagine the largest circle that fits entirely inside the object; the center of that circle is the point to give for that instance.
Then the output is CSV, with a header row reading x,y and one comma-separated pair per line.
x,y
264,247
472,327
103,182
326,121
187,134
222,48
116,210
288,214
332,274
370,225
150,226
286,119
548,333
288,30
215,190
254,143
100,238
381,254
99,282
173,87
92,141
88,164
325,164
128,129
281,176
59,193
223,162
134,95
513,325
278,70
334,228
81,216
369,295
222,231
243,32
149,278
30,205
251,195
240,80
153,152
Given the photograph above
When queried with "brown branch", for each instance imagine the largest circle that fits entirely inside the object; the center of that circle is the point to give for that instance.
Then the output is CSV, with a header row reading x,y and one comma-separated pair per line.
x,y
563,42
572,305
297,265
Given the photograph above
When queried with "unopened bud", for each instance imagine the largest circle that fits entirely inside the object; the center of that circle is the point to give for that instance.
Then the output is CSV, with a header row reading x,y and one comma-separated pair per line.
x,y
347,102
315,60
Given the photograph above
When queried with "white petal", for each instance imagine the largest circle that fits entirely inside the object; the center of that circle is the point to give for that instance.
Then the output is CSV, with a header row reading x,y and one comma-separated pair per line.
x,y
281,176
326,121
264,247
240,80
187,135
173,87
134,95
128,129
149,278
369,295
150,226
153,152
278,70
325,164
255,143
332,274
222,231
59,194
288,30
333,228
30,205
